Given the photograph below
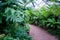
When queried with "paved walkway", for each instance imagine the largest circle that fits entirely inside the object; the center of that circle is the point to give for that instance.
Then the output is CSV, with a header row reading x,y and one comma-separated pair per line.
x,y
40,34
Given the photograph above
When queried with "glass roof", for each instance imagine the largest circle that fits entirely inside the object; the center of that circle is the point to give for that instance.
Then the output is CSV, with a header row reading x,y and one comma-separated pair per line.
x,y
37,3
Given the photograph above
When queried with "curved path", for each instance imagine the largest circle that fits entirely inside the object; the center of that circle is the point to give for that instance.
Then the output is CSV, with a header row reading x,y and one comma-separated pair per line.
x,y
40,34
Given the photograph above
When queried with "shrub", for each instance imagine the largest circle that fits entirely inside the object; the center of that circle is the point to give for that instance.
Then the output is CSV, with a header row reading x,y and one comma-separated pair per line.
x,y
48,18
13,20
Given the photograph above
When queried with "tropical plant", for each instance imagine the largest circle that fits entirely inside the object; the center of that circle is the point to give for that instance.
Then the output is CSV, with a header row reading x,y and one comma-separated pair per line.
x,y
13,20
47,17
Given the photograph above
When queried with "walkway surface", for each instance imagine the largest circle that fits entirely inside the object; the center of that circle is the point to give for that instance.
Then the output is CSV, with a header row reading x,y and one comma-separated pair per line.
x,y
40,34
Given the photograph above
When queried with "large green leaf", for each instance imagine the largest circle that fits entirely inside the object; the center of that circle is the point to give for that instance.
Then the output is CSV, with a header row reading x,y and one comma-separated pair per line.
x,y
14,15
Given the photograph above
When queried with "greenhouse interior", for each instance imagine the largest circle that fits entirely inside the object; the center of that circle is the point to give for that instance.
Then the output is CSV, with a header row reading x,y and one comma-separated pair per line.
x,y
29,19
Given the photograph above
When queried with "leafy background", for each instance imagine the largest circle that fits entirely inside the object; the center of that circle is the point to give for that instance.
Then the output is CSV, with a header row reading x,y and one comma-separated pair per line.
x,y
13,20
